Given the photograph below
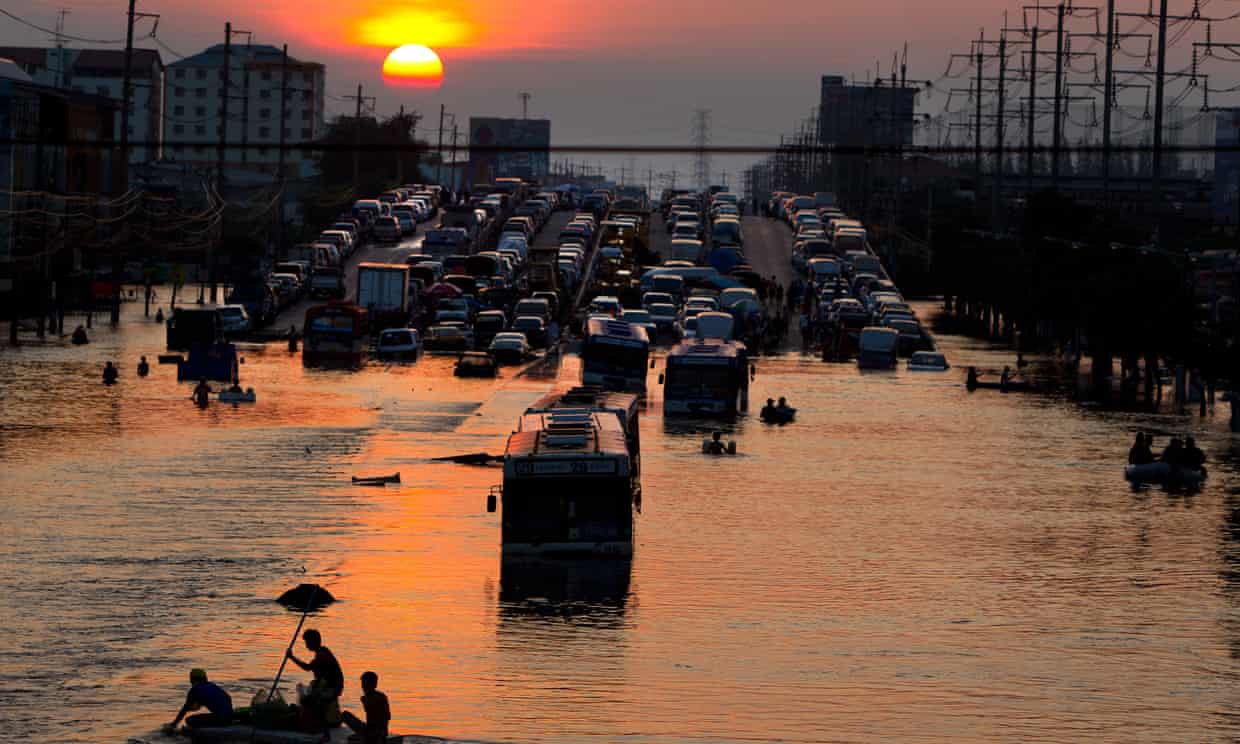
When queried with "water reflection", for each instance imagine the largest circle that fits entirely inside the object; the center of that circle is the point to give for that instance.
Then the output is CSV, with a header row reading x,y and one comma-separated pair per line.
x,y
568,587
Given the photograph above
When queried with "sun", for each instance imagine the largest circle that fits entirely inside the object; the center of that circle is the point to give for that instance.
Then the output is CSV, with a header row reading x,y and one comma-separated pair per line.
x,y
413,65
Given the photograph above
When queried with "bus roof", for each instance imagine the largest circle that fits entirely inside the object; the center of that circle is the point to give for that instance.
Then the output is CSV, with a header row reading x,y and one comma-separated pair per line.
x,y
710,352
568,432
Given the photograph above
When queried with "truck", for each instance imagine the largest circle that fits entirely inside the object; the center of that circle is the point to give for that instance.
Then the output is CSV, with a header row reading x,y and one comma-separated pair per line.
x,y
465,217
383,291
878,348
445,241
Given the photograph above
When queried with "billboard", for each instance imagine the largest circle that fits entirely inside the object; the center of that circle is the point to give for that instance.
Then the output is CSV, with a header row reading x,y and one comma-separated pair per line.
x,y
489,157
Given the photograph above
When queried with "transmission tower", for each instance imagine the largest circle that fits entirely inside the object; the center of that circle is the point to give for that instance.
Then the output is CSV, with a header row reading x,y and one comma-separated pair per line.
x,y
701,140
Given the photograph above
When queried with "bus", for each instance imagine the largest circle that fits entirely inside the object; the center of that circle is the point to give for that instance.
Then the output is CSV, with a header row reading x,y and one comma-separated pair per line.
x,y
708,377
335,333
572,476
615,355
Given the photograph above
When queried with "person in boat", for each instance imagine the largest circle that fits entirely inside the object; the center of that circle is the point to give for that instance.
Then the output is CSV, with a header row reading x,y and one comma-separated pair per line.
x,y
144,368
374,730
79,336
292,338
768,410
1140,453
783,408
321,700
236,387
159,315
717,447
1006,377
1193,456
204,694
1174,454
972,380
110,373
202,393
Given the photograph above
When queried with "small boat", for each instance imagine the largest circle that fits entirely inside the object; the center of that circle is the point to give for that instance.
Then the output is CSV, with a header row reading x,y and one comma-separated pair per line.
x,y
376,480
928,361
1003,387
778,415
474,458
1164,473
237,396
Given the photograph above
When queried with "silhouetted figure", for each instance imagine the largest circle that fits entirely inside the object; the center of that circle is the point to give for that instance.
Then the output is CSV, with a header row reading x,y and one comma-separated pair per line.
x,y
292,338
202,394
144,368
321,700
79,336
1174,454
1140,453
971,381
1193,457
717,447
768,410
159,315
110,374
204,694
374,730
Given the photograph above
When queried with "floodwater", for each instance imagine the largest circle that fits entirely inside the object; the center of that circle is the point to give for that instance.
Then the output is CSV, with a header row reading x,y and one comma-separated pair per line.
x,y
906,561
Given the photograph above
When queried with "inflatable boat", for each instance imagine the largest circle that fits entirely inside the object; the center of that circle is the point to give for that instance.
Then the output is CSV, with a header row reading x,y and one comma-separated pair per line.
x,y
1161,472
233,396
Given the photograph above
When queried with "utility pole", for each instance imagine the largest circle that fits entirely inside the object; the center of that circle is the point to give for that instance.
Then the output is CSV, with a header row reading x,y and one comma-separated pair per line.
x,y
357,142
997,185
126,94
245,97
453,171
1159,84
220,154
1030,132
1108,96
1057,124
525,104
439,148
977,124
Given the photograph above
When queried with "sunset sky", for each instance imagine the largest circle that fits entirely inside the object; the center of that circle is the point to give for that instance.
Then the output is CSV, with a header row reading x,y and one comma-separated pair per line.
x,y
629,72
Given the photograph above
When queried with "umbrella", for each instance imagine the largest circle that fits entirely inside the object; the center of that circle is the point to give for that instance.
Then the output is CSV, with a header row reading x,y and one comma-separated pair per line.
x,y
442,289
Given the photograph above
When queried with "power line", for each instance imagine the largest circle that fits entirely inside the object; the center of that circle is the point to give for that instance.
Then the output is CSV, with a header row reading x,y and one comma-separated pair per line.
x,y
69,37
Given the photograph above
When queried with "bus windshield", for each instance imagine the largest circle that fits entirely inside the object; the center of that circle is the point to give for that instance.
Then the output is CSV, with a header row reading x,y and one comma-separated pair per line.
x,y
713,382
608,358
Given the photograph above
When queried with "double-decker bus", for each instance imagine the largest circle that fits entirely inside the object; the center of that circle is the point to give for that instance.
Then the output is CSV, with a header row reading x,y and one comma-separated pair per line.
x,y
710,377
572,476
615,355
335,333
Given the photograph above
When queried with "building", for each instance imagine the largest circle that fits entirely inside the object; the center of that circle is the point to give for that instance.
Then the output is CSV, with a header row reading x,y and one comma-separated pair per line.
x,y
256,76
855,117
101,72
54,165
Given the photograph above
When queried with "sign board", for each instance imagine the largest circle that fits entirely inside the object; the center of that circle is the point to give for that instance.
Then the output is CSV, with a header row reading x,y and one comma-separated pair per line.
x,y
509,148
529,468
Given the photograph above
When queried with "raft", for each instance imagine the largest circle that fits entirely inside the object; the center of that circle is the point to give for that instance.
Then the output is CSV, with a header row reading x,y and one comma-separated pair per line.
x,y
376,480
778,415
1163,473
243,734
228,396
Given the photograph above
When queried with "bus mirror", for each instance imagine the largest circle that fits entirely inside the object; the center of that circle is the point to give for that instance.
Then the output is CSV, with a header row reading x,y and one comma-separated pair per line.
x,y
660,379
652,364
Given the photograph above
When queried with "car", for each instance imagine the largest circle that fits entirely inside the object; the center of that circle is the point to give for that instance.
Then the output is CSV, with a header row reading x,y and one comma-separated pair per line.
x,y
537,306
641,318
650,298
663,314
399,343
533,328
510,347
453,336
686,231
387,230
686,328
408,223
234,318
553,301
605,305
289,286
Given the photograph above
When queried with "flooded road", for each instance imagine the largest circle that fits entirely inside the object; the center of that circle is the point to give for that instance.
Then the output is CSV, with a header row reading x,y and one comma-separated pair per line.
x,y
905,561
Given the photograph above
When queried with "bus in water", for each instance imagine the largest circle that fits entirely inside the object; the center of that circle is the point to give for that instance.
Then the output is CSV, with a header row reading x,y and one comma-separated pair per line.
x,y
615,355
572,476
709,377
335,333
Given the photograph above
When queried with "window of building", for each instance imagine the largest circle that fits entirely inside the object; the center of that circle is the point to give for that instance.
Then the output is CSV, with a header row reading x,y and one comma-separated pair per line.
x,y
176,148
180,74
305,133
307,76
201,73
264,94
264,132
266,74
200,130
264,113
178,110
179,91
307,96
178,129
262,151
101,90
200,111
200,92
197,148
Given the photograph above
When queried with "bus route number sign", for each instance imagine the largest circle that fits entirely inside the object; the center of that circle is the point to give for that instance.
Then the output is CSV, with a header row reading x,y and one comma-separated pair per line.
x,y
566,467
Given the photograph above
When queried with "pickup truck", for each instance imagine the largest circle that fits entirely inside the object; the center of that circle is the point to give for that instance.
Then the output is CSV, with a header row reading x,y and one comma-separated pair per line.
x,y
327,282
